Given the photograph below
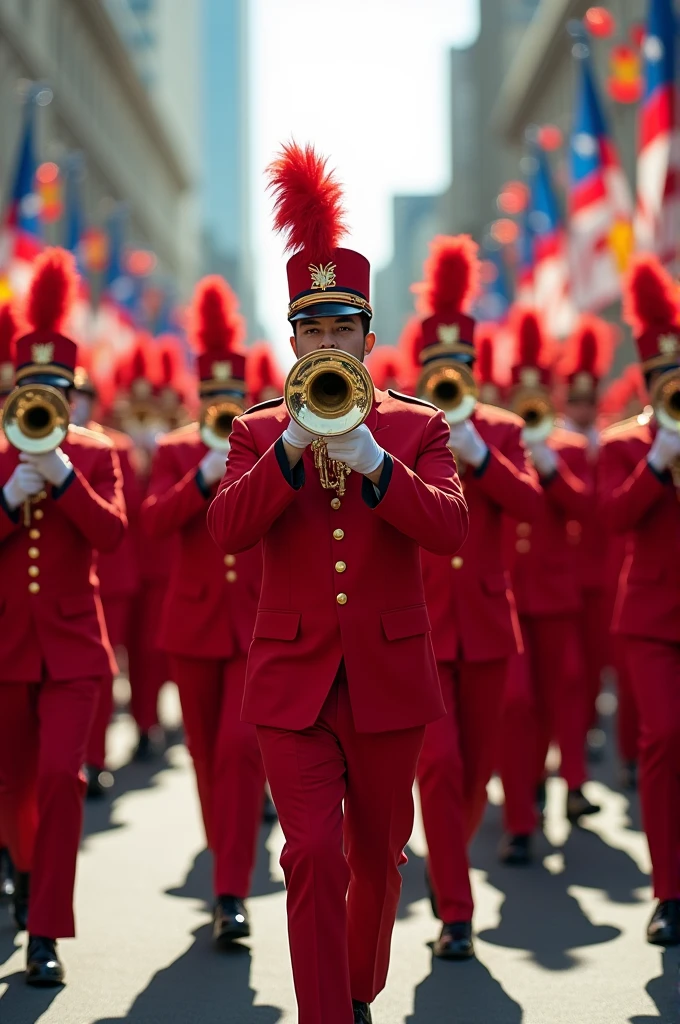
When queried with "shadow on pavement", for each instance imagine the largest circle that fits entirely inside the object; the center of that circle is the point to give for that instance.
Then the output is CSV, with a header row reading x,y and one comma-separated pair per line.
x,y
466,993
665,991
201,987
23,1005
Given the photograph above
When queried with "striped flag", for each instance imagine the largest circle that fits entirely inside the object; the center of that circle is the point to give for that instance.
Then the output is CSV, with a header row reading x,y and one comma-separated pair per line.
x,y
657,219
79,325
526,261
21,232
599,200
115,322
552,295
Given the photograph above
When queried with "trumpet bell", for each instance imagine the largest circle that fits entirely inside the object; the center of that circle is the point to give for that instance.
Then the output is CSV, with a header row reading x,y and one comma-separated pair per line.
x,y
217,420
35,418
665,400
451,387
538,413
329,393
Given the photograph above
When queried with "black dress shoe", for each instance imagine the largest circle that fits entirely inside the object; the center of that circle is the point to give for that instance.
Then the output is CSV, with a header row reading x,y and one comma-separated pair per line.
x,y
579,806
22,882
99,782
515,850
628,777
43,966
6,875
664,927
230,920
362,1012
455,941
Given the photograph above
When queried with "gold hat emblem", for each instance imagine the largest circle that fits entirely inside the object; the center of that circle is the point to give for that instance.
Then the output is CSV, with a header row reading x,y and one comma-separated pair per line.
x,y
322,277
448,334
42,353
221,371
583,383
668,344
530,376
6,373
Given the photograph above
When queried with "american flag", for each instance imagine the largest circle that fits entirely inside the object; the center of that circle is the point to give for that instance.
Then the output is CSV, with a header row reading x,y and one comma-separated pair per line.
x,y
552,294
21,231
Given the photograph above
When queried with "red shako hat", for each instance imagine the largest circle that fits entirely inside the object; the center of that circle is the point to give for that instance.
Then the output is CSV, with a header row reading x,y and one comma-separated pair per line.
x,y
651,306
386,366
531,365
451,280
140,373
587,357
8,331
83,379
216,330
262,372
489,391
43,352
323,279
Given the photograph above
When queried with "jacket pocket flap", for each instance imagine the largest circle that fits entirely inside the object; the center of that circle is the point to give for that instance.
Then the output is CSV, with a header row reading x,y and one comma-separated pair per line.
x,y
402,622
71,605
277,625
495,582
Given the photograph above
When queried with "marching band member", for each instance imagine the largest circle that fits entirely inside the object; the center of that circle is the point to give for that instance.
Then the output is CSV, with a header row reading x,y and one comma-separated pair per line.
x,y
638,482
545,697
341,677
209,609
472,609
56,508
263,378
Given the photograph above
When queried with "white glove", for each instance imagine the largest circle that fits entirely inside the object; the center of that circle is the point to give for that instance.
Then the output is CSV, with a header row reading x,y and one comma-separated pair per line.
x,y
665,449
54,467
544,458
467,443
358,450
24,482
296,436
212,466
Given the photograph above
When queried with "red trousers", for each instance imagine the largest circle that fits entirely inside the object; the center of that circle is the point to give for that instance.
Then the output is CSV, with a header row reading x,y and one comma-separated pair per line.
x,y
627,719
593,627
227,762
43,734
454,767
546,699
148,664
655,675
342,871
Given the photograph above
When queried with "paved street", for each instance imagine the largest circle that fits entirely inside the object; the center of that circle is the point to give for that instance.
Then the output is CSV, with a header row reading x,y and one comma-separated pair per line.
x,y
559,943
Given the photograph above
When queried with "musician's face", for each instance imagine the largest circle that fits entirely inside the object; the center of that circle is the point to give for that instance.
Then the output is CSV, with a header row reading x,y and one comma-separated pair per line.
x,y
583,412
329,332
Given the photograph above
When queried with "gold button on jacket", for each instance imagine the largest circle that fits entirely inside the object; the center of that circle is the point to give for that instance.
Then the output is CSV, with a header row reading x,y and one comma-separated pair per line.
x,y
341,599
456,562
338,534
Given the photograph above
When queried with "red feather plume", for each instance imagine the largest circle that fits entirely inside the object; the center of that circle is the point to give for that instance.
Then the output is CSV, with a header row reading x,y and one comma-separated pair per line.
x,y
261,369
650,296
52,290
8,331
484,348
589,348
529,336
171,360
451,275
308,201
385,364
215,325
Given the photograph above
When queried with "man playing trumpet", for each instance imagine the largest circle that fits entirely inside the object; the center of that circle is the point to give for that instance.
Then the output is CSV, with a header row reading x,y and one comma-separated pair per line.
x,y
341,676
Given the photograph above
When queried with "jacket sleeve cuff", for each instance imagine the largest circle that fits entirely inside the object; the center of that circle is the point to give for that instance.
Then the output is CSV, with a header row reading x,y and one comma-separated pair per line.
x,y
664,476
481,469
295,476
58,491
11,513
372,493
202,485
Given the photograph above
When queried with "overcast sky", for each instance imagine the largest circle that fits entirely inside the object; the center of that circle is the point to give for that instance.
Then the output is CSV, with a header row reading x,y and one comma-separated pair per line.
x,y
367,82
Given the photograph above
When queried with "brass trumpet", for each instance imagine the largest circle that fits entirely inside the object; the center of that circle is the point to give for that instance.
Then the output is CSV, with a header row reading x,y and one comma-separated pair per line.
x,y
534,406
451,387
217,418
665,399
329,393
35,418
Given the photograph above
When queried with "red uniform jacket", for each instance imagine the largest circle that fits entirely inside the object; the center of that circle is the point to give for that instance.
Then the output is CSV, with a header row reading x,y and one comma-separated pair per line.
x,y
211,601
544,574
634,499
469,596
588,535
342,577
154,554
117,571
58,622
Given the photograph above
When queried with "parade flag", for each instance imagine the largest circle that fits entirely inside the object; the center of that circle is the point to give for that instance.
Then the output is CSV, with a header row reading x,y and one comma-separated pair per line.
x,y
526,261
552,296
21,231
599,201
115,323
657,219
494,300
80,316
